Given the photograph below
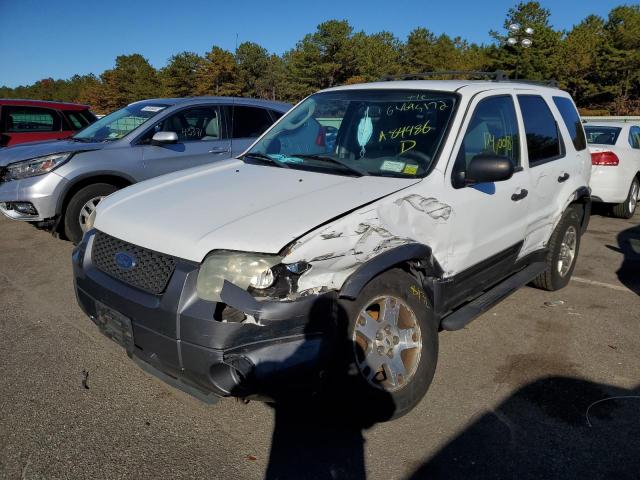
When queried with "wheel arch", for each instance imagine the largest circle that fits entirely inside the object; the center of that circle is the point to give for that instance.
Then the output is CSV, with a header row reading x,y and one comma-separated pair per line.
x,y
415,258
582,197
117,179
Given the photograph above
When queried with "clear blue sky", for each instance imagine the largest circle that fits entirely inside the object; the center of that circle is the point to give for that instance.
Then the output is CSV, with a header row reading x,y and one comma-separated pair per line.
x,y
59,38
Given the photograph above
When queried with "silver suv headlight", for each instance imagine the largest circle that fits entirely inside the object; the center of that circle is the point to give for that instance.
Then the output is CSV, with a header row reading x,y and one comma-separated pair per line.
x,y
243,269
36,166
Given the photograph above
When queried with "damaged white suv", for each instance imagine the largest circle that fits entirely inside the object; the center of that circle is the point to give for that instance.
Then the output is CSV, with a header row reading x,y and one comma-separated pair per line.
x,y
364,221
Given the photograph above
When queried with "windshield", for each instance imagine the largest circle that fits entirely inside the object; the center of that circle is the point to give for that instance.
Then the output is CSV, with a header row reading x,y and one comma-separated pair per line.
x,y
362,132
602,135
119,123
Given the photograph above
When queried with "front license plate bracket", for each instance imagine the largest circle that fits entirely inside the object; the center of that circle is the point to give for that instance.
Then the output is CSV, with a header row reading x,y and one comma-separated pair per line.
x,y
115,326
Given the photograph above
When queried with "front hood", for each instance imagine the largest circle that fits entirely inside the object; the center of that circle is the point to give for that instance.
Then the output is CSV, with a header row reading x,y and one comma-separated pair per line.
x,y
26,151
234,206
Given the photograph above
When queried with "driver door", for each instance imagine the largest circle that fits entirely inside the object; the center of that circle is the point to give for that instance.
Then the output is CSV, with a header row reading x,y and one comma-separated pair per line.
x,y
201,140
490,218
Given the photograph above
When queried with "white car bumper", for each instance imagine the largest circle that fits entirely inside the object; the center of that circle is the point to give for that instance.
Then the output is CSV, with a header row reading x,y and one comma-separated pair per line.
x,y
609,184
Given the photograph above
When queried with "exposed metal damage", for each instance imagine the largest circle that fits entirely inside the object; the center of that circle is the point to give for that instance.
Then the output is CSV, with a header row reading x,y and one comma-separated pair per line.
x,y
336,250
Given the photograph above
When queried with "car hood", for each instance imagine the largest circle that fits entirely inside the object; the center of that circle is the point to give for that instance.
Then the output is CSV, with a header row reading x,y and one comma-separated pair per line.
x,y
234,206
26,151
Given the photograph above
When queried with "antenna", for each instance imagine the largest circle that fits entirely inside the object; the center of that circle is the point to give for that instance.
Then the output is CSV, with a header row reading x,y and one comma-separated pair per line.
x,y
233,104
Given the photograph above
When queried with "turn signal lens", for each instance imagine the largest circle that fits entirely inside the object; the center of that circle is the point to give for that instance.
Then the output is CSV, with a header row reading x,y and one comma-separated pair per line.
x,y
604,158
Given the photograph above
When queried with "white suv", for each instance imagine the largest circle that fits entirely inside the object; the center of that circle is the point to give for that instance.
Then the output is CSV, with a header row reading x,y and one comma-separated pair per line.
x,y
336,247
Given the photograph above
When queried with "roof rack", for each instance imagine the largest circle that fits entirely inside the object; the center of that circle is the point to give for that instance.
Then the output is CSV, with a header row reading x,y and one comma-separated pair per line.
x,y
497,76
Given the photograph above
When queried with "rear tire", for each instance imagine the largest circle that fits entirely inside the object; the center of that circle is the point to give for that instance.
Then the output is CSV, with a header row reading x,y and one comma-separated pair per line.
x,y
391,358
564,245
627,208
91,194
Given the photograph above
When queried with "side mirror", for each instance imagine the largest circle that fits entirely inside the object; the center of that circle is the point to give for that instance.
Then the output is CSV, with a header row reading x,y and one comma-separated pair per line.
x,y
486,168
164,138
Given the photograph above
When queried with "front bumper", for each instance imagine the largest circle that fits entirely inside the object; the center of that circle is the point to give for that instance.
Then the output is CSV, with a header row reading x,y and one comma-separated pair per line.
x,y
42,191
177,337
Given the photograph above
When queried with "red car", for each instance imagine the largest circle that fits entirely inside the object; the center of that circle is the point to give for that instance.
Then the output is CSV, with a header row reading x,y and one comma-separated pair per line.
x,y
33,120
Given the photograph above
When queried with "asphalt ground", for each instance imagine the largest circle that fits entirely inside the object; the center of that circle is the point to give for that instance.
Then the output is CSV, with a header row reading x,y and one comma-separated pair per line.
x,y
544,385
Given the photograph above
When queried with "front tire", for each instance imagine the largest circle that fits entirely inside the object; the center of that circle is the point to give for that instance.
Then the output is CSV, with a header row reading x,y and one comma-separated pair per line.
x,y
393,345
83,202
563,252
627,208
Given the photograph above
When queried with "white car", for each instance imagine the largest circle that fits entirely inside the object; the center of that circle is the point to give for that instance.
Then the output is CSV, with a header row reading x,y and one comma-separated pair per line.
x,y
615,154
335,248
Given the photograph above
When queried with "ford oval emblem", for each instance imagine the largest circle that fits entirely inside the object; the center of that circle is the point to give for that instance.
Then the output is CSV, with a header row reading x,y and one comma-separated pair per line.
x,y
125,260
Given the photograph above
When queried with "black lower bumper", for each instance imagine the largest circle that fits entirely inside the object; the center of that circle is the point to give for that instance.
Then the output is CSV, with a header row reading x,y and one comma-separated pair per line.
x,y
177,337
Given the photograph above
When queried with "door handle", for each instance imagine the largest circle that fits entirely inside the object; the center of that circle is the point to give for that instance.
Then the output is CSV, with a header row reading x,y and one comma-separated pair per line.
x,y
520,195
219,150
563,178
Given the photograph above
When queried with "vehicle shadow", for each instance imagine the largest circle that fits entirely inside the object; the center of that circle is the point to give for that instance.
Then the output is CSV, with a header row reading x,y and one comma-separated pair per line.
x,y
320,436
555,427
629,246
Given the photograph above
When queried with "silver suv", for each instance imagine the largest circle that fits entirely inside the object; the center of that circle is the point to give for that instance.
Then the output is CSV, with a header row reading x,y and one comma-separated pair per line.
x,y
57,184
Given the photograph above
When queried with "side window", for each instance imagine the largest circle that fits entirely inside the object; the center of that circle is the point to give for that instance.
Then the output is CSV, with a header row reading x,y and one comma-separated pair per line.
x,y
493,130
250,121
193,124
543,141
572,121
634,137
31,119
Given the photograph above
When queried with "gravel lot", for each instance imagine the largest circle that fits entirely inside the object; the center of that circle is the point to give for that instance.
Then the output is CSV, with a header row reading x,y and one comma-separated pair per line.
x,y
509,400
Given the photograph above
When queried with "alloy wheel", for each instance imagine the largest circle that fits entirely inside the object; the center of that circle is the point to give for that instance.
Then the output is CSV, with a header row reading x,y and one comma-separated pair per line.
x,y
387,342
633,196
86,211
567,250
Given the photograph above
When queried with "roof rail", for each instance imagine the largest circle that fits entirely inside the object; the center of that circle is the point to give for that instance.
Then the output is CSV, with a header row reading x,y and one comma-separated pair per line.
x,y
497,76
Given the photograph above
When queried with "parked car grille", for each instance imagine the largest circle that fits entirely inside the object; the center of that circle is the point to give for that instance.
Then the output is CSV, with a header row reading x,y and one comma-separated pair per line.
x,y
148,270
3,173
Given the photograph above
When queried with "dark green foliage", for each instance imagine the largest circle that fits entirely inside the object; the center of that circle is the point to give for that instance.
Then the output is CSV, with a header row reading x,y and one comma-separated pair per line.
x,y
597,61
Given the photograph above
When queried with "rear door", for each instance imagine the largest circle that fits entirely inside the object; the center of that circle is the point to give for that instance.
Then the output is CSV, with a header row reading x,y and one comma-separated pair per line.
x,y
202,139
30,124
490,218
248,123
553,166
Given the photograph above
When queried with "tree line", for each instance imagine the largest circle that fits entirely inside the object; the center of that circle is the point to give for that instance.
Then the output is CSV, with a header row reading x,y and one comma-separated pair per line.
x,y
597,61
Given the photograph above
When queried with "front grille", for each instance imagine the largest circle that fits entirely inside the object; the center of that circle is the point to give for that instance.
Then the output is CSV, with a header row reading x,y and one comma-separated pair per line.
x,y
3,173
149,271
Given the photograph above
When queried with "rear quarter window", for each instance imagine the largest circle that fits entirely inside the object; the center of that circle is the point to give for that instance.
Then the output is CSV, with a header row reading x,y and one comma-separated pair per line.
x,y
572,121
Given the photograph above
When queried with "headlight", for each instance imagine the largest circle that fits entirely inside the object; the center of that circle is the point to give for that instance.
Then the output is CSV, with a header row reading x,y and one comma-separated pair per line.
x,y
36,166
242,269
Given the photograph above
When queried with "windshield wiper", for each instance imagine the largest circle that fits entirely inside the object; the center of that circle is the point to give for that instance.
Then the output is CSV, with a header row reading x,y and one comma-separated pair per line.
x,y
359,171
262,156
83,140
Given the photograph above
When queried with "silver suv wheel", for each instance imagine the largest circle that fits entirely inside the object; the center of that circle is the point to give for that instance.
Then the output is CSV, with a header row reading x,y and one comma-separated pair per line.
x,y
86,211
388,343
